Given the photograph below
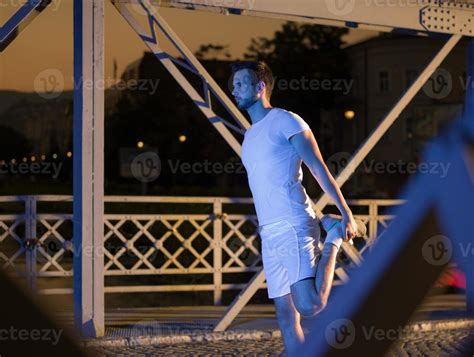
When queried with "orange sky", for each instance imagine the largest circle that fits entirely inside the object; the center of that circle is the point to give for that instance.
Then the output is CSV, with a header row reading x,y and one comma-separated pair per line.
x,y
47,42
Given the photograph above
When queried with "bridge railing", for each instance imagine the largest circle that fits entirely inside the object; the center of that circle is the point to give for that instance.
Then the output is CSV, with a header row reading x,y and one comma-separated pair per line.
x,y
184,243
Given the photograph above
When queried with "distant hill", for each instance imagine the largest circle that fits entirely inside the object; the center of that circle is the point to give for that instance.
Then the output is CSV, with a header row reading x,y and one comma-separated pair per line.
x,y
10,98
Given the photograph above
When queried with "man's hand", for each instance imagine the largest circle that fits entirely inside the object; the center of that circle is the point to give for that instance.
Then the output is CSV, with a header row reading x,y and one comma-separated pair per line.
x,y
349,227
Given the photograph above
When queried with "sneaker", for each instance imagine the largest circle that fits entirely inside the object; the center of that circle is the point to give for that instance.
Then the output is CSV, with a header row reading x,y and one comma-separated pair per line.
x,y
328,221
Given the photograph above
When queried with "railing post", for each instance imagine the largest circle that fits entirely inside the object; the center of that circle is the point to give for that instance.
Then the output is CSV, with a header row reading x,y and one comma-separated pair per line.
x,y
30,236
373,220
217,252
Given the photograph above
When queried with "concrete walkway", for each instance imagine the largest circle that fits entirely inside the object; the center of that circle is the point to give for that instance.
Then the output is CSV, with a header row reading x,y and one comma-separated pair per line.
x,y
178,325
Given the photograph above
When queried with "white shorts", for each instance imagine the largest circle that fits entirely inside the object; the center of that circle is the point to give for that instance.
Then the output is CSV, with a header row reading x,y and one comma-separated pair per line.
x,y
289,253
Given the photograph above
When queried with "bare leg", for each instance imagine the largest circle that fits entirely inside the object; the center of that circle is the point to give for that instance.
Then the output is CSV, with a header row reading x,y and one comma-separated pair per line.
x,y
290,324
325,273
311,295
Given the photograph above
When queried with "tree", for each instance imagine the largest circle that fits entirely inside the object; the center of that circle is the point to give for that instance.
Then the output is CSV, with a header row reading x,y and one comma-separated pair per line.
x,y
212,52
307,55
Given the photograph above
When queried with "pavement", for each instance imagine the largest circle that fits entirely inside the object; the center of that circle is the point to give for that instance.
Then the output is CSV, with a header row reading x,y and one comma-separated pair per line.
x,y
440,327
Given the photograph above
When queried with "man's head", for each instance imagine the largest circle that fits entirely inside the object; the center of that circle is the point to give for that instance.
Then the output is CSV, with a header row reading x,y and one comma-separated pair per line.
x,y
252,81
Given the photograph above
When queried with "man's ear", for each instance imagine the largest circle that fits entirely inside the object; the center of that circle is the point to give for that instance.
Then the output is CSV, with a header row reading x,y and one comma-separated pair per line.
x,y
261,86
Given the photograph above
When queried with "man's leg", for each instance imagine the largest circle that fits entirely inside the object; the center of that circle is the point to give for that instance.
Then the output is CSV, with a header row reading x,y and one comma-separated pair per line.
x,y
289,322
311,295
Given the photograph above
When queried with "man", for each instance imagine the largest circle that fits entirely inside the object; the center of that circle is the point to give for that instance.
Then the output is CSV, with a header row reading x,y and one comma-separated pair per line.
x,y
299,276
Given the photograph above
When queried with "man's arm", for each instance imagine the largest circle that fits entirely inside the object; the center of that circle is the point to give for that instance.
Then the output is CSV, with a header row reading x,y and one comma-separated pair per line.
x,y
307,148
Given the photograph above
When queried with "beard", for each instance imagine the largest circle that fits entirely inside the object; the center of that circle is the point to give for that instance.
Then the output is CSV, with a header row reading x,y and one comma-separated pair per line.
x,y
244,104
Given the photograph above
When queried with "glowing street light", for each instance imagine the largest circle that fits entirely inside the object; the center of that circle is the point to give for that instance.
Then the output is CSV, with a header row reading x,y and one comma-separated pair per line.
x,y
349,114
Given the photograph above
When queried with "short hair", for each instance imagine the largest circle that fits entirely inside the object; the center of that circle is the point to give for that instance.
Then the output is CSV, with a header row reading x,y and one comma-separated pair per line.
x,y
261,70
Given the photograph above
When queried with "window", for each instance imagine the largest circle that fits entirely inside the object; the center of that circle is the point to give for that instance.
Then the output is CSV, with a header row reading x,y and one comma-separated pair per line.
x,y
383,82
410,76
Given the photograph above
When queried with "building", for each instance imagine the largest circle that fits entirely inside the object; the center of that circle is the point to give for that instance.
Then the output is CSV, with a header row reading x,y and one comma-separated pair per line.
x,y
382,69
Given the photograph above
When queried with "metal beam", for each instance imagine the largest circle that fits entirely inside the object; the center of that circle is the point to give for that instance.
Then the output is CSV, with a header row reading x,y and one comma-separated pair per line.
x,y
469,125
416,17
20,20
390,118
150,39
408,259
88,169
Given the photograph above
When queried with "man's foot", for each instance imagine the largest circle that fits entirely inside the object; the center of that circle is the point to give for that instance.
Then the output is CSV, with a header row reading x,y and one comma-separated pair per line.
x,y
328,221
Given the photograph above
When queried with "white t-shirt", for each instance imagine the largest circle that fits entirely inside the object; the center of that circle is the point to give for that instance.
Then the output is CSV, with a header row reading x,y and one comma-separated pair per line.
x,y
274,168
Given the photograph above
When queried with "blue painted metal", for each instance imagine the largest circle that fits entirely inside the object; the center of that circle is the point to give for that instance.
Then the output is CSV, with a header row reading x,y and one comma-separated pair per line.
x,y
469,133
187,64
339,329
12,24
77,162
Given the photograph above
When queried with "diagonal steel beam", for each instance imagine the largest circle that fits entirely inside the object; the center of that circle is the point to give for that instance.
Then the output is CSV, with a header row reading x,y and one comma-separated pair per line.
x,y
433,227
20,20
149,36
390,118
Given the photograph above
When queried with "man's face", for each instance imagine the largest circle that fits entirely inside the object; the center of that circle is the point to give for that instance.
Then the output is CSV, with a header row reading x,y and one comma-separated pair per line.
x,y
245,89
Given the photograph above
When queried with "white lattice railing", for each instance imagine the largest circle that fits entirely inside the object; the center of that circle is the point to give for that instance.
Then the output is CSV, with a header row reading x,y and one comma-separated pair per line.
x,y
144,236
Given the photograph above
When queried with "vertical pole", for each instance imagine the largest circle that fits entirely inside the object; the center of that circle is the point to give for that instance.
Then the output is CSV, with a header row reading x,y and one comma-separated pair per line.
x,y
468,113
373,221
217,252
30,234
88,167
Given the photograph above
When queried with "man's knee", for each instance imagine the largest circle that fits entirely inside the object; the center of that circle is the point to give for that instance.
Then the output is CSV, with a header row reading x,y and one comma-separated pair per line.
x,y
310,309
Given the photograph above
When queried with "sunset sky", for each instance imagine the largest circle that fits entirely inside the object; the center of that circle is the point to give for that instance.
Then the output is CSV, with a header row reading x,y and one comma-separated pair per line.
x,y
47,43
